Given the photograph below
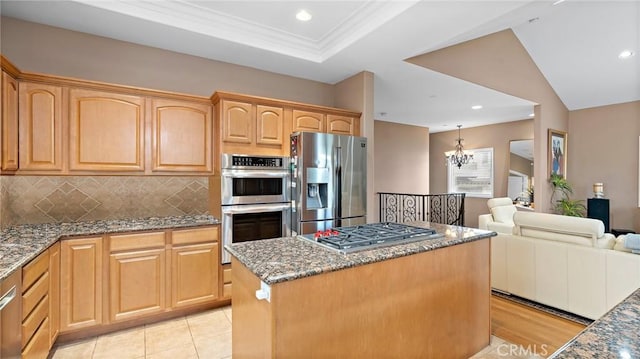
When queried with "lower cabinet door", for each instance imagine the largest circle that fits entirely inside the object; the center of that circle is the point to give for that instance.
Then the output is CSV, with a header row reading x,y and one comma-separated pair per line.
x,y
80,283
194,274
136,284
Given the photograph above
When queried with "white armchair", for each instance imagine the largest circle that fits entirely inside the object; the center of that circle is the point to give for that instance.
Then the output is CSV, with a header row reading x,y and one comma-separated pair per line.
x,y
500,220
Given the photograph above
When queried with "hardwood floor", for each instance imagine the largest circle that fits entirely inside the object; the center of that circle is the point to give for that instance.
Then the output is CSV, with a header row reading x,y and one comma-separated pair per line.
x,y
536,330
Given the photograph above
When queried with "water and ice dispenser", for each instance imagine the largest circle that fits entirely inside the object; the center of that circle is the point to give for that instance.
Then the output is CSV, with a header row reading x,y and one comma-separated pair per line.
x,y
317,187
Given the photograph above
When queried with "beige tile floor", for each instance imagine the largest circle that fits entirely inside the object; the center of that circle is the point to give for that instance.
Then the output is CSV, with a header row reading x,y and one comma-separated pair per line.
x,y
205,335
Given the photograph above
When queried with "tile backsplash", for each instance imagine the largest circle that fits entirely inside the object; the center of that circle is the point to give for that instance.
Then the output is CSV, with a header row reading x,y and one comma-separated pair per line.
x,y
51,199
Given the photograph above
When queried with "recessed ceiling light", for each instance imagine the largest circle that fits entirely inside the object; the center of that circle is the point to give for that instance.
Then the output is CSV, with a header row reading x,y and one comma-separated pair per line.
x,y
532,114
476,107
625,54
303,15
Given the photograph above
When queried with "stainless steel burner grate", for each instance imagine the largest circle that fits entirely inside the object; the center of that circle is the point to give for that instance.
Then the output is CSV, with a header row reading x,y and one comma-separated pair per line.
x,y
369,236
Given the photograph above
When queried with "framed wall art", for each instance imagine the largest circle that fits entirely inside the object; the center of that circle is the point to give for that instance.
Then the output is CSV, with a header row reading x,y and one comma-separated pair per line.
x,y
557,153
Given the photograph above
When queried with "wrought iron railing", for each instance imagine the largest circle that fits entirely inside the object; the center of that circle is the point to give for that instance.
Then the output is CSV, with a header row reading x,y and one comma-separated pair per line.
x,y
446,208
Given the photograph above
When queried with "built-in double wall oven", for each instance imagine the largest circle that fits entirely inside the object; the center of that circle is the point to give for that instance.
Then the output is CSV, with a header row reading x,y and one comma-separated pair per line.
x,y
255,197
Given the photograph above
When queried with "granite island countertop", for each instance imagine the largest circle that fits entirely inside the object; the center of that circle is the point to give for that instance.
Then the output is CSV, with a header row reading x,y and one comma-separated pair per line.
x,y
615,335
289,258
20,244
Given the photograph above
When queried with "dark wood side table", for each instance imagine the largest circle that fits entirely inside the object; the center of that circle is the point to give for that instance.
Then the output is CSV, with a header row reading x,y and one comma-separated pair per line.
x,y
598,208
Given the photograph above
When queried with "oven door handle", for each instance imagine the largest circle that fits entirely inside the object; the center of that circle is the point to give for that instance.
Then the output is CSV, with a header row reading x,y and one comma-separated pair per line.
x,y
256,208
255,174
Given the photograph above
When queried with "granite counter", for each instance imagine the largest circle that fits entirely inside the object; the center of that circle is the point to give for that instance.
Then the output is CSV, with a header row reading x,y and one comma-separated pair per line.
x,y
20,244
289,258
614,335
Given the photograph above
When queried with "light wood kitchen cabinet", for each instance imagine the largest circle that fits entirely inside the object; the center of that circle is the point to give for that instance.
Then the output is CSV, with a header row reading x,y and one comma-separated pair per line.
x,y
308,121
36,307
9,136
40,127
237,122
269,125
54,292
81,274
248,126
342,125
106,131
195,260
226,280
137,275
181,136
326,122
38,346
261,126
370,311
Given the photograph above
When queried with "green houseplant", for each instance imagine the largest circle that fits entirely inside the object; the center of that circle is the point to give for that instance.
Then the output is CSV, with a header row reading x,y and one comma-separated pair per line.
x,y
565,205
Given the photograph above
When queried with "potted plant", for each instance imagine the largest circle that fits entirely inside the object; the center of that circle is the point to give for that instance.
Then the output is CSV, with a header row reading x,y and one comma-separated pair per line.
x,y
565,205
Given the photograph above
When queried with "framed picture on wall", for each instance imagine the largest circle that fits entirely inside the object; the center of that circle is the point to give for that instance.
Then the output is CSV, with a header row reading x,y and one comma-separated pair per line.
x,y
557,150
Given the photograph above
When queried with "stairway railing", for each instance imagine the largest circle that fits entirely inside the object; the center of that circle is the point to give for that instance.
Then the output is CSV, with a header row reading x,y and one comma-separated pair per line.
x,y
446,208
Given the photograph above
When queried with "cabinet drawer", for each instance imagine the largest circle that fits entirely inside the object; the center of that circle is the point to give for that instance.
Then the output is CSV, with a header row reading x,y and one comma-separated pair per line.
x,y
33,321
226,275
32,297
38,347
198,235
226,290
127,242
34,270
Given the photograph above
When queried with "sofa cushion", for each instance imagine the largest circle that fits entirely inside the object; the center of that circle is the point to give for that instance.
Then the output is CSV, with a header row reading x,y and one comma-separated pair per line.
x,y
619,245
503,214
581,231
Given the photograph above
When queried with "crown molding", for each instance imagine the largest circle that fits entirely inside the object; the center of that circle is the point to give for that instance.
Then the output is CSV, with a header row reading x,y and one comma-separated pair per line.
x,y
192,17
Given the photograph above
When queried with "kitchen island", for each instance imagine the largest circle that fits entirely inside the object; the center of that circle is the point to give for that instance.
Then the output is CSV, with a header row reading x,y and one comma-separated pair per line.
x,y
426,299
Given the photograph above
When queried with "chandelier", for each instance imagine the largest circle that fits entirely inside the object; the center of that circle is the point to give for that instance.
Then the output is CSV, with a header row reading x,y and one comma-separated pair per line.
x,y
459,157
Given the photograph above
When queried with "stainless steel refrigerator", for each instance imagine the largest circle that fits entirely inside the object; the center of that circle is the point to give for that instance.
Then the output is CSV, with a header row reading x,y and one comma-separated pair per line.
x,y
329,181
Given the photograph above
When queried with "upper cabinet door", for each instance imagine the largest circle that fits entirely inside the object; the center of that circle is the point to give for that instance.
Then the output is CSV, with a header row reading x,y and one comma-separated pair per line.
x,y
237,122
106,131
269,125
341,125
308,121
9,123
181,136
40,127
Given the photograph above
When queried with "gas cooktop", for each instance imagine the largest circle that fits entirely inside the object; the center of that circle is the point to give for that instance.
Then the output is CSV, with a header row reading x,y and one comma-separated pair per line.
x,y
369,236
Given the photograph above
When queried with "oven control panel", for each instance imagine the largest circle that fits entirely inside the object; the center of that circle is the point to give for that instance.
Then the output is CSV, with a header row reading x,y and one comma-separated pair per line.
x,y
257,161
244,161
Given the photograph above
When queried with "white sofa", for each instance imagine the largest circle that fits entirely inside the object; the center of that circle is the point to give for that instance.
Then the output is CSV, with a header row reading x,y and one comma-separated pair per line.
x,y
564,262
500,220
